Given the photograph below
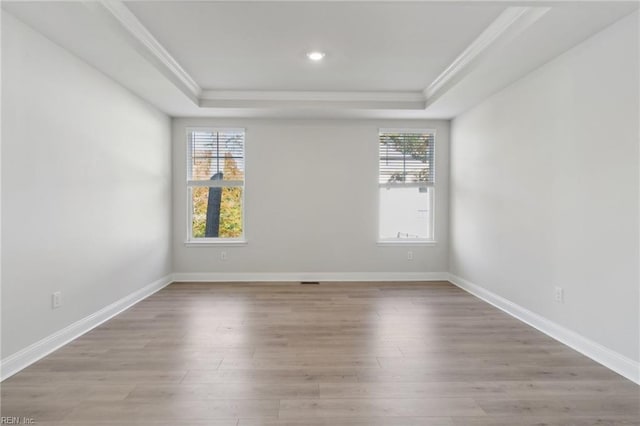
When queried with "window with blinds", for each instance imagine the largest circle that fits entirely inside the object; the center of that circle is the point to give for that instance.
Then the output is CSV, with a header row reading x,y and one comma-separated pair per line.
x,y
406,158
215,183
406,182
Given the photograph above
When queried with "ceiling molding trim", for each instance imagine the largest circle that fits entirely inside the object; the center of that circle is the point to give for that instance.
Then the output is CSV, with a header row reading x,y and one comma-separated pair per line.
x,y
313,104
151,48
311,99
329,96
511,22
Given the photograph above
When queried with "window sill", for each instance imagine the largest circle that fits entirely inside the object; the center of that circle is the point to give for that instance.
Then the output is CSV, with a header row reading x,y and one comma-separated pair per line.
x,y
400,243
235,243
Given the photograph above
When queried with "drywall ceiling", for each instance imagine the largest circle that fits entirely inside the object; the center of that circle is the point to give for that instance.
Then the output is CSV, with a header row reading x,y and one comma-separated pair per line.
x,y
262,46
416,59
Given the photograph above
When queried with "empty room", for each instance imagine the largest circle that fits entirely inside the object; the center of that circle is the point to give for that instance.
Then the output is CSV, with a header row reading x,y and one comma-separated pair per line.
x,y
320,213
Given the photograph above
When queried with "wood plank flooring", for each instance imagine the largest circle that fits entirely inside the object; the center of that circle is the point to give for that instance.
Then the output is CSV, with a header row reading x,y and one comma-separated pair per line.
x,y
284,354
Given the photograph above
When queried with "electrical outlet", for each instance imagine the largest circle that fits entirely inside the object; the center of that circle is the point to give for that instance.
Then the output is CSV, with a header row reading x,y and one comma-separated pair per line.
x,y
559,295
409,255
56,300
223,255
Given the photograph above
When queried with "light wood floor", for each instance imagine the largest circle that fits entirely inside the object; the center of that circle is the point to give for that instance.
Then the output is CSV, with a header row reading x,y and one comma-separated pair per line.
x,y
357,354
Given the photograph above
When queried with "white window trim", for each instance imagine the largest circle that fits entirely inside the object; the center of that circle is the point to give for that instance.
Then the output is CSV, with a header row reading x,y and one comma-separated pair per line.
x,y
215,183
398,242
217,242
404,243
406,130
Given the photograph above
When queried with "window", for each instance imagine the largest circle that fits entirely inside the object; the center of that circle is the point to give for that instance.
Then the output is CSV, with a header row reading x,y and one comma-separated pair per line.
x,y
406,185
215,184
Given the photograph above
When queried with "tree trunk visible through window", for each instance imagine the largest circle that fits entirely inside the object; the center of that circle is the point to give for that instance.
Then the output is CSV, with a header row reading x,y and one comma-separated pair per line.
x,y
213,209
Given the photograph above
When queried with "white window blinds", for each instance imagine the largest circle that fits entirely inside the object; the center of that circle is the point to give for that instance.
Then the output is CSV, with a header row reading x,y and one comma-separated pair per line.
x,y
406,158
216,155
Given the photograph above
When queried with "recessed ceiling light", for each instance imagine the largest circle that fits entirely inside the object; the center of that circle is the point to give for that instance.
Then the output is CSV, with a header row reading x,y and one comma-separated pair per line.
x,y
315,56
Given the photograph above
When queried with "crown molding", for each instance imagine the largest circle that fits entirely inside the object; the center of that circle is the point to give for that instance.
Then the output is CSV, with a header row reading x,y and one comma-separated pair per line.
x,y
334,99
343,96
511,22
148,45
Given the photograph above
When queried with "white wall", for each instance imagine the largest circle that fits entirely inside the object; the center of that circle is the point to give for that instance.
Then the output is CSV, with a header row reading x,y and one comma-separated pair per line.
x,y
544,190
86,189
311,201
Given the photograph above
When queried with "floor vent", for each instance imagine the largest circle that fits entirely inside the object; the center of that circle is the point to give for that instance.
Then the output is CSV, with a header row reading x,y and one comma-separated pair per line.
x,y
309,282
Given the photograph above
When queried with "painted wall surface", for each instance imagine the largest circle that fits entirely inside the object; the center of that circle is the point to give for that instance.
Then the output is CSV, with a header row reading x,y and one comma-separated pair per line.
x,y
311,200
544,190
86,189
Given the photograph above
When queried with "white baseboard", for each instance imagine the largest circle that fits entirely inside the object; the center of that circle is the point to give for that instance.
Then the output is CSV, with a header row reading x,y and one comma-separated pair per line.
x,y
613,360
607,357
307,276
32,353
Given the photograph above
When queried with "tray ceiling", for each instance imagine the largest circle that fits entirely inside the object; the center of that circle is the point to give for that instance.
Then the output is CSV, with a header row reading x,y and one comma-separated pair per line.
x,y
416,59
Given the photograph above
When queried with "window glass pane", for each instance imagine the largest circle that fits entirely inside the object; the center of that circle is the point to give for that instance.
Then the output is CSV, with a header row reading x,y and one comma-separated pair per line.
x,y
405,213
216,212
